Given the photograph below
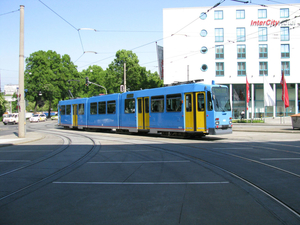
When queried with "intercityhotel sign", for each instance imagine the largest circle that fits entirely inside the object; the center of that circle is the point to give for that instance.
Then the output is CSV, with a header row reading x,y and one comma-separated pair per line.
x,y
272,23
264,22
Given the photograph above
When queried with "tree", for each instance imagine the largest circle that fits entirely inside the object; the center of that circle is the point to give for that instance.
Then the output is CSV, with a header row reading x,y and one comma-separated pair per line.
x,y
136,76
96,75
2,104
47,75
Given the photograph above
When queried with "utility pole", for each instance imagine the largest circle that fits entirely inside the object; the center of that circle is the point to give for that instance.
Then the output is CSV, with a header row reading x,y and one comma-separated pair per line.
x,y
188,73
124,77
22,121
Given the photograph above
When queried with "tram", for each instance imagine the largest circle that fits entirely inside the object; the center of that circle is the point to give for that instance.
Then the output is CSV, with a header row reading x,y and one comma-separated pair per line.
x,y
190,108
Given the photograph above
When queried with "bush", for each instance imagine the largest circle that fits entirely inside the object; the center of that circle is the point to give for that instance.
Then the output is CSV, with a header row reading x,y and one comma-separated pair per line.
x,y
248,121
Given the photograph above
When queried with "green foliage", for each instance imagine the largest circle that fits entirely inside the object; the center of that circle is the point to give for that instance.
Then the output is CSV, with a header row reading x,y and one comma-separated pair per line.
x,y
53,76
2,104
136,76
248,121
47,75
96,75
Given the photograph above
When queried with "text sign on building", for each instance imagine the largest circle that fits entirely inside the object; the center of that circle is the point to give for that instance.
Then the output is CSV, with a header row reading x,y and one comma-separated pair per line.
x,y
272,23
264,22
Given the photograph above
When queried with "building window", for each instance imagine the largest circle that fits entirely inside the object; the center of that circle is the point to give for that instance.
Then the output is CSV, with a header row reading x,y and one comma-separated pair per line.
x,y
203,33
219,51
262,13
241,51
203,50
285,51
203,16
263,51
240,14
204,67
284,34
284,13
218,14
219,69
262,34
241,68
241,34
219,34
263,68
285,66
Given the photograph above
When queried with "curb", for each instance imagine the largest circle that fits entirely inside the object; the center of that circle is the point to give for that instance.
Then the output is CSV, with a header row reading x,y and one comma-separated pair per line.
x,y
22,141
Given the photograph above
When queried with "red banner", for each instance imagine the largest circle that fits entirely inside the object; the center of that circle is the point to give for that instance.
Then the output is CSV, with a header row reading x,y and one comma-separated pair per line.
x,y
247,92
285,93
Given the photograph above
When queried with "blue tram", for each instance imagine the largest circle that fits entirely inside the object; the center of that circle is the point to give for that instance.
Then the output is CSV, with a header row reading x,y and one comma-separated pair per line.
x,y
191,108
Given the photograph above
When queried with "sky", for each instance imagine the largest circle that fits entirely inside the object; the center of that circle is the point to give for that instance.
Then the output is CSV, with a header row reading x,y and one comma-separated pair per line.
x,y
120,24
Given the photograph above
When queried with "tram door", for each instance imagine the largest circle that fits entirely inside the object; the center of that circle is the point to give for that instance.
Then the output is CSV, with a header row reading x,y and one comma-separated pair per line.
x,y
200,112
75,116
189,112
143,113
195,119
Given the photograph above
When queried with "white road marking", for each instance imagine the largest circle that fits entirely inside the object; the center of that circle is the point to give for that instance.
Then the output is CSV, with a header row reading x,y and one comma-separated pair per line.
x,y
233,148
127,151
8,161
270,159
128,162
141,183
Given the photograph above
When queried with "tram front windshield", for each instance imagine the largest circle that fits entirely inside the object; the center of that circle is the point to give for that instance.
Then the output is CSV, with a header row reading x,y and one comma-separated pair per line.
x,y
221,99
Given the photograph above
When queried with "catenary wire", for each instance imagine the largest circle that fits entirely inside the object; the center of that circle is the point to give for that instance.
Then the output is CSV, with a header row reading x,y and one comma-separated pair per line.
x,y
9,12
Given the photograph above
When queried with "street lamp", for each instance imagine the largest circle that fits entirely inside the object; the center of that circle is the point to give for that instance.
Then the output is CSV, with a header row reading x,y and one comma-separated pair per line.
x,y
89,82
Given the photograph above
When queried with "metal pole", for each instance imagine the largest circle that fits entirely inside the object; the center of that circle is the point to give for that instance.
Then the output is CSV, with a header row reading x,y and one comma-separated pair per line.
x,y
188,73
22,122
124,77
264,99
283,96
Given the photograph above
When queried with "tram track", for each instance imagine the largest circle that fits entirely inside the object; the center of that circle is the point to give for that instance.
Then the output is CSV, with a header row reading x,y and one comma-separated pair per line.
x,y
199,152
251,186
87,152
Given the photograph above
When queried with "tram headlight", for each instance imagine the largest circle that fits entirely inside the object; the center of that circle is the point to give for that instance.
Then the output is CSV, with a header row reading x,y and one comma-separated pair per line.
x,y
217,122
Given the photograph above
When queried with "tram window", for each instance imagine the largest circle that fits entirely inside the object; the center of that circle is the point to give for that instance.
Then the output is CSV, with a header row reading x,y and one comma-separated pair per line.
x,y
174,103
93,108
130,105
188,103
111,107
140,105
62,110
201,102
157,104
209,102
101,107
81,109
68,110
147,105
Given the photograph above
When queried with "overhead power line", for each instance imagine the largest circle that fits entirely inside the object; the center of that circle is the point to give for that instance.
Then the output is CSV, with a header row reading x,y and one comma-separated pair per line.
x,y
9,12
58,15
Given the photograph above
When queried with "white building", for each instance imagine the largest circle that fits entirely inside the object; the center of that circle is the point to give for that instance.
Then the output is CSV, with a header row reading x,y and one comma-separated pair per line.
x,y
227,43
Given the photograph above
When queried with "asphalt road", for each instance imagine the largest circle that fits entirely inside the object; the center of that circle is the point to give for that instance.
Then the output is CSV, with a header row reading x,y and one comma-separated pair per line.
x,y
79,177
